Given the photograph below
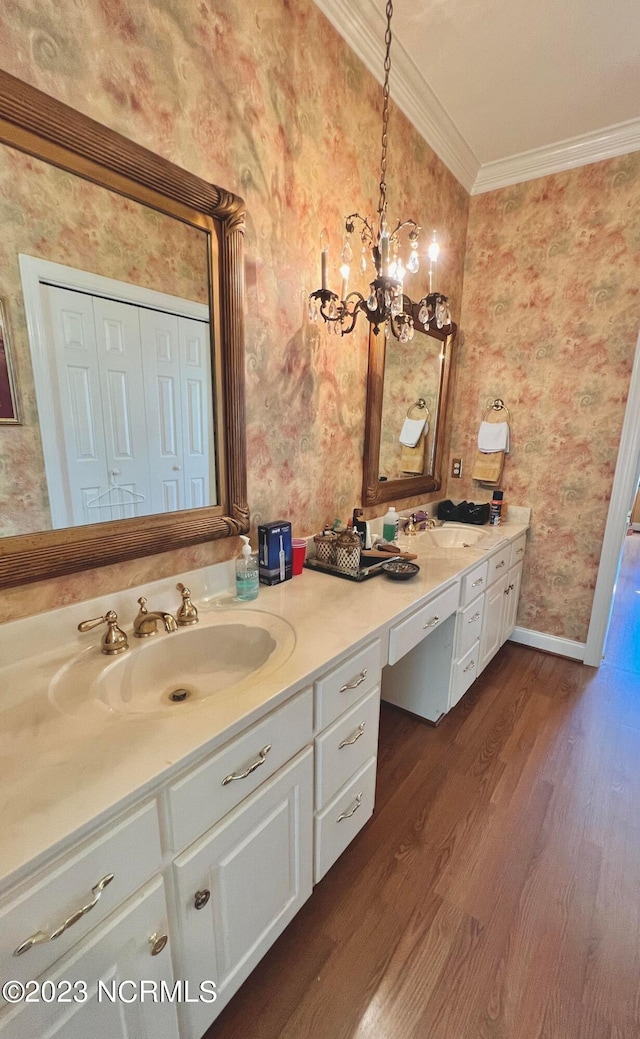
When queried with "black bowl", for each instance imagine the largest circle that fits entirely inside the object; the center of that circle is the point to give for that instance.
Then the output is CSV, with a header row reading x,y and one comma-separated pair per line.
x,y
400,569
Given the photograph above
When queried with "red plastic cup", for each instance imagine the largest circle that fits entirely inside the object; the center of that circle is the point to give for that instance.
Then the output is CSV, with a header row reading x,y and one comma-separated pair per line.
x,y
299,549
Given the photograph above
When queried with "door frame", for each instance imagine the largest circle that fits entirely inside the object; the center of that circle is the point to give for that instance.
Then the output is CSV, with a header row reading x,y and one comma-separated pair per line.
x,y
625,484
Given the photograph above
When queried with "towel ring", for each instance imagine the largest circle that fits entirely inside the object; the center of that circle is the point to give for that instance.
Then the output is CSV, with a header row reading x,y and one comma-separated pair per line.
x,y
421,405
496,405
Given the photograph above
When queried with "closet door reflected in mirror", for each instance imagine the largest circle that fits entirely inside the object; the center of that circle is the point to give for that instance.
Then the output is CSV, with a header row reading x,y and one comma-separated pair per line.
x,y
123,384
407,388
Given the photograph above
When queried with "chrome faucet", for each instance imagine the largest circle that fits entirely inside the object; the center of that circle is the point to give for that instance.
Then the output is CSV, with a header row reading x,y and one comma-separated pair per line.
x,y
146,623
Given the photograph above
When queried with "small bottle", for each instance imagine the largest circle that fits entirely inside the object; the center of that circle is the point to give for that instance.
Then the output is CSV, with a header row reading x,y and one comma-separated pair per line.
x,y
495,509
247,573
390,525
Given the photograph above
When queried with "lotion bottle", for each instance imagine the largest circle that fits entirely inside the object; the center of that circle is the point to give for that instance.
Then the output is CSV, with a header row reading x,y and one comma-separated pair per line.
x,y
247,573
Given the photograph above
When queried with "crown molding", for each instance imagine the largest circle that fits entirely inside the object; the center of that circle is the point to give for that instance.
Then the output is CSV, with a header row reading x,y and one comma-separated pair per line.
x,y
564,155
362,26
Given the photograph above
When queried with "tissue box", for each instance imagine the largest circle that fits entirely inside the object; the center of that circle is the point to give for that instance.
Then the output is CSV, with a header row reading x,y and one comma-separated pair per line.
x,y
274,552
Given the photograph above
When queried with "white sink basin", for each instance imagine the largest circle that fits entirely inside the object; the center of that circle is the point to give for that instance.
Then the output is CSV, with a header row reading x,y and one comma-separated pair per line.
x,y
225,650
453,537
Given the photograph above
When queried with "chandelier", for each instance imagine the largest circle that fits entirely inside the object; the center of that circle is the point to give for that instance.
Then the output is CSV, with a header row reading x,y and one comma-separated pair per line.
x,y
386,303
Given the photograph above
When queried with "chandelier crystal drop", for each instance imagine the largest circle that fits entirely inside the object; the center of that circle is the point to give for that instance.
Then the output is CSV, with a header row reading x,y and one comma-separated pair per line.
x,y
386,302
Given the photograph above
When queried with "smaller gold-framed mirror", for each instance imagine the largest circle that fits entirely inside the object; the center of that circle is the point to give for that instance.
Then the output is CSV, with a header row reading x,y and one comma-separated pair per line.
x,y
405,381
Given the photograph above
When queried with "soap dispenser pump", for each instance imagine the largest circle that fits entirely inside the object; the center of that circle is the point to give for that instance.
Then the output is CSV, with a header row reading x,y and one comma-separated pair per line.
x,y
247,573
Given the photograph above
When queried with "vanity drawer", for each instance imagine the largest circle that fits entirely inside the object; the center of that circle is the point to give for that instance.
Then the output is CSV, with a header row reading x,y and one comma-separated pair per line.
x,y
203,797
347,683
404,636
344,747
499,564
130,850
474,583
340,821
518,549
464,672
469,626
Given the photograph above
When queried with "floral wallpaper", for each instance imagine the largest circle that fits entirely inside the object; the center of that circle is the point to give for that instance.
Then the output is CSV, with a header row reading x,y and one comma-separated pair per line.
x,y
49,213
550,318
266,100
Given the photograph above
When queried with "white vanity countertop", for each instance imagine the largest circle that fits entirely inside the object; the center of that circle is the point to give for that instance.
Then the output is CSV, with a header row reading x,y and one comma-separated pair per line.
x,y
64,773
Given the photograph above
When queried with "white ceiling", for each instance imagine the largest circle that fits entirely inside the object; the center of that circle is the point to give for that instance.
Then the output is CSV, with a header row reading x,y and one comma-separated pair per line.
x,y
507,90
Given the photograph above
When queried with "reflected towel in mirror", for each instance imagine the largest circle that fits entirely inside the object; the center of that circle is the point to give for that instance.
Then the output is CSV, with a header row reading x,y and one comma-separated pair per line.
x,y
412,430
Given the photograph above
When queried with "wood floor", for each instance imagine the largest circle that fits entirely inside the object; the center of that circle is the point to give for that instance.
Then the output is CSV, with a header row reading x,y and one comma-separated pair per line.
x,y
495,894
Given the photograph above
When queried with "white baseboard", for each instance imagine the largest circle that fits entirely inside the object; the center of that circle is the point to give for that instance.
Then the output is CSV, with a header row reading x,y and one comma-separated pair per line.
x,y
548,643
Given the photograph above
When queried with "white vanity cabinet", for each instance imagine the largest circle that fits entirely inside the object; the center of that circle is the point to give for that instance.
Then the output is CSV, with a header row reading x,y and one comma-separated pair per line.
x,y
466,667
501,598
421,657
436,654
347,712
96,914
109,985
246,814
240,885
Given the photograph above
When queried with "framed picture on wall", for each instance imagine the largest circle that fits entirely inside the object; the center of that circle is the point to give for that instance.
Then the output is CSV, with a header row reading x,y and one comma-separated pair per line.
x,y
8,398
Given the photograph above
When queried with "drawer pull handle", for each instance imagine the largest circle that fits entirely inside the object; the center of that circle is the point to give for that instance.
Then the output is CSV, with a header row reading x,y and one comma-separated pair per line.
x,y
350,740
201,898
476,617
260,760
470,666
474,584
432,623
511,587
358,681
157,943
354,808
39,937
500,565
520,551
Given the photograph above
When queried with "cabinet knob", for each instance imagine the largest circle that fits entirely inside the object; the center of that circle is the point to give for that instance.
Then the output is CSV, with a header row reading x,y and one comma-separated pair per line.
x,y
157,943
201,898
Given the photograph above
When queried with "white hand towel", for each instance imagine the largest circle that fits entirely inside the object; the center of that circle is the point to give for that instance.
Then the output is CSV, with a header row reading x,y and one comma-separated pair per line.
x,y
412,430
493,436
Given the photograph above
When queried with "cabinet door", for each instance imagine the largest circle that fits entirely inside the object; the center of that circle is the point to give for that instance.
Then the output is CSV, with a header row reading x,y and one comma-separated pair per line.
x,y
240,885
492,624
511,601
114,961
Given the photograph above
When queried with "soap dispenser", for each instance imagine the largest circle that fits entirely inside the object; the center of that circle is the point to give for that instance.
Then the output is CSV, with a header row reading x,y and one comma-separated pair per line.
x,y
247,574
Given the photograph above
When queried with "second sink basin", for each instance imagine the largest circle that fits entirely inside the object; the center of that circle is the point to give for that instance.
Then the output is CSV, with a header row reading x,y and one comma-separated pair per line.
x,y
171,671
453,537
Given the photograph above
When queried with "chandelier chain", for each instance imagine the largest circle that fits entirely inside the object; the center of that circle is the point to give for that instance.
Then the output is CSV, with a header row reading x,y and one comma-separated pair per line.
x,y
382,204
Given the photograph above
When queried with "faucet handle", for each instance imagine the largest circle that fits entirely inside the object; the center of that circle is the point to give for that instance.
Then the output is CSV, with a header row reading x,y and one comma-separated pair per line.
x,y
114,639
187,614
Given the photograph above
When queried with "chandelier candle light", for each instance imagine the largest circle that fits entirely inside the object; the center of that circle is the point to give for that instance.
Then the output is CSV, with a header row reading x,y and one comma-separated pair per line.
x,y
386,304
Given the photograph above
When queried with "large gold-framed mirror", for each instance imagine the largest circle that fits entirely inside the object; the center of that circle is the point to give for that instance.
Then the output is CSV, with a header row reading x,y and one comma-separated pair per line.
x,y
205,221
405,380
